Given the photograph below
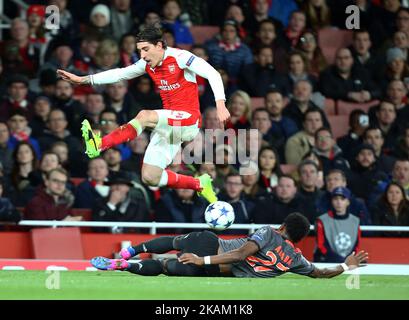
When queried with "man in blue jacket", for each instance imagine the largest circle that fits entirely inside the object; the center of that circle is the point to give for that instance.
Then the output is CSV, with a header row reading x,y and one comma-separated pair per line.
x,y
227,51
92,189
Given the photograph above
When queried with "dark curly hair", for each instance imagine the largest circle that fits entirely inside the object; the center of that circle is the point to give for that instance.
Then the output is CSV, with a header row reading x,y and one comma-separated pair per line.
x,y
297,226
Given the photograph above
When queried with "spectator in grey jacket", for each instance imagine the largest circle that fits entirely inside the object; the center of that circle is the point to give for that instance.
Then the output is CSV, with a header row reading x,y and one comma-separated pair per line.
x,y
338,232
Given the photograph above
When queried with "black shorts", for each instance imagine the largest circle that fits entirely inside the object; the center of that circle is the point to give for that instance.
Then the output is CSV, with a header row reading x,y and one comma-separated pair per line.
x,y
203,243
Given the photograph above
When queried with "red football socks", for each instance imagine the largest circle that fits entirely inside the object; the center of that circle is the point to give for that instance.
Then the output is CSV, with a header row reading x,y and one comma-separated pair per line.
x,y
120,135
180,181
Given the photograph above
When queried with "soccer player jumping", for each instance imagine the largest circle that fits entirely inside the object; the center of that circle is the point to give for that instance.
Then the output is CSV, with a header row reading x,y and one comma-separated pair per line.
x,y
174,74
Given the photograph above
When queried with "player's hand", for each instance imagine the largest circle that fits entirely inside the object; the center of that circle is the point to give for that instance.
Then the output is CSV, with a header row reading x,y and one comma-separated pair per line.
x,y
222,113
353,261
191,258
70,77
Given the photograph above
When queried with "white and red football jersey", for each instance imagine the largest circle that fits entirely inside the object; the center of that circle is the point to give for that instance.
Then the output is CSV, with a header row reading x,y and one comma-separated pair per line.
x,y
175,78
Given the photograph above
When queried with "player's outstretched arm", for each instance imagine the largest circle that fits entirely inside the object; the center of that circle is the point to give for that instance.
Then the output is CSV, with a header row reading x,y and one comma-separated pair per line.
x,y
353,261
70,77
240,254
106,77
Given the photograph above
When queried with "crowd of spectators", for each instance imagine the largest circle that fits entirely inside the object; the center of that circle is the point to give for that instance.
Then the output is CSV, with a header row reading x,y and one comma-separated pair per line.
x,y
265,48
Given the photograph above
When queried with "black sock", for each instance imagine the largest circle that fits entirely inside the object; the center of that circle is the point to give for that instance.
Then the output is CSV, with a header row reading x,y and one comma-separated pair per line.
x,y
157,245
146,268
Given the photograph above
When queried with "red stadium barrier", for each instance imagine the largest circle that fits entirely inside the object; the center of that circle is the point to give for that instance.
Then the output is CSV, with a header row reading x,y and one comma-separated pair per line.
x,y
381,250
61,243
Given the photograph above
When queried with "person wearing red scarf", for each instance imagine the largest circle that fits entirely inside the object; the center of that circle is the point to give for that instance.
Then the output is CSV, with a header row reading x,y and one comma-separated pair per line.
x,y
295,27
16,97
228,52
93,188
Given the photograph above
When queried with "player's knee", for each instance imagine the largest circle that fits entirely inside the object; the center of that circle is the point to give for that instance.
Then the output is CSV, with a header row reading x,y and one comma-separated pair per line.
x,y
142,115
151,179
146,117
177,242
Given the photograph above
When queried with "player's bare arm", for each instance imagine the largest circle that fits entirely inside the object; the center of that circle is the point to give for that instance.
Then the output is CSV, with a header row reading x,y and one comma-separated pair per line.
x,y
222,112
240,254
72,78
353,261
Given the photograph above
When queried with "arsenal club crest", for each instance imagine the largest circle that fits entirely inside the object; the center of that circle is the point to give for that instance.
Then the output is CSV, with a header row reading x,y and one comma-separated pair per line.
x,y
171,68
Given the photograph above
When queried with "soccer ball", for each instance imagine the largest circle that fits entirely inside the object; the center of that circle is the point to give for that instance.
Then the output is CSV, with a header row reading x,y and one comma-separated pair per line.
x,y
219,215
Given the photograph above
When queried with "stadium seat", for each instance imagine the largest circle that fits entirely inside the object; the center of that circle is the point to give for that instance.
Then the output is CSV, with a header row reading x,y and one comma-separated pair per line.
x,y
57,243
86,214
184,46
331,39
257,102
329,54
201,34
345,107
339,125
288,168
329,107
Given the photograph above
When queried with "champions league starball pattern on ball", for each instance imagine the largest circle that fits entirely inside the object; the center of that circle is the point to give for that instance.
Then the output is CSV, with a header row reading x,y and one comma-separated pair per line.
x,y
219,215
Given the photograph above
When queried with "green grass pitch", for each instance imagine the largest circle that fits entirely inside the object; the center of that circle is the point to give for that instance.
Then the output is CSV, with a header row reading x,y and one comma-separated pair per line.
x,y
122,285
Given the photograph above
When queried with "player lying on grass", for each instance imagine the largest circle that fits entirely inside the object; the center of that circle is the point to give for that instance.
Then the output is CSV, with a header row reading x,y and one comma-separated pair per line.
x,y
266,253
174,73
